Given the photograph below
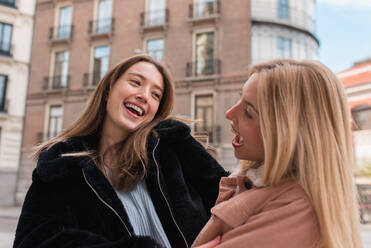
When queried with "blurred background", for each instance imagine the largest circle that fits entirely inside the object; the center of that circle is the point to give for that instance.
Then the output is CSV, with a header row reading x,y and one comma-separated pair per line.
x,y
54,52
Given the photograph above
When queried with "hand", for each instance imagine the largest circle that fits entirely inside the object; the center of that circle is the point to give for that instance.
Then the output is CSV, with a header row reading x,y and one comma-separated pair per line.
x,y
211,243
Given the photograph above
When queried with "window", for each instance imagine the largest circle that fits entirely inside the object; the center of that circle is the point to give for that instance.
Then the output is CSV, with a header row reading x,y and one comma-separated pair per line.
x,y
205,53
156,12
283,9
362,117
101,62
55,121
204,113
205,8
104,16
284,47
65,19
155,48
3,84
60,79
10,3
5,38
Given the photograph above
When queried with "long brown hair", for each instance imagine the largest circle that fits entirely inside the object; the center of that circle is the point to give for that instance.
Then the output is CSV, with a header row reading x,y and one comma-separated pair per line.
x,y
129,156
305,126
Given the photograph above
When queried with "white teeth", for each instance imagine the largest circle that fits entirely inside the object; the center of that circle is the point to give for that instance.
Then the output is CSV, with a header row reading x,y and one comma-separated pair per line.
x,y
136,108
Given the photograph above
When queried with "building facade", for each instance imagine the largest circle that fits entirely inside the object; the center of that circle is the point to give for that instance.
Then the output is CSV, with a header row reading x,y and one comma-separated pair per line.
x,y
205,43
16,26
357,83
283,29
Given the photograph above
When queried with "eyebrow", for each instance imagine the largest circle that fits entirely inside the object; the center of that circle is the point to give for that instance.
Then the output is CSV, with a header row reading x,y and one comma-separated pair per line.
x,y
252,106
143,78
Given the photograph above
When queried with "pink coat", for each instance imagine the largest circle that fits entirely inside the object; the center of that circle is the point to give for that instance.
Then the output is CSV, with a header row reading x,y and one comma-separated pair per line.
x,y
277,216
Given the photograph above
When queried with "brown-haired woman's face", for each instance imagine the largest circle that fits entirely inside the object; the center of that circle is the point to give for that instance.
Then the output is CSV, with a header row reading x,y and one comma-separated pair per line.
x,y
134,98
244,117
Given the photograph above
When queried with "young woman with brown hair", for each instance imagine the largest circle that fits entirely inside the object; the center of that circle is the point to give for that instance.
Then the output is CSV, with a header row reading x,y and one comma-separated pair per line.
x,y
294,187
122,175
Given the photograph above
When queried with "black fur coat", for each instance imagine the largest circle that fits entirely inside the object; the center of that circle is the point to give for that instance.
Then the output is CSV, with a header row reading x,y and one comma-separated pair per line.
x,y
71,204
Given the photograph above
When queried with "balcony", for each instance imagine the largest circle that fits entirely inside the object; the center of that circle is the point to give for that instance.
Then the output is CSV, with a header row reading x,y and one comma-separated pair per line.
x,y
92,79
262,11
56,82
61,33
41,137
8,3
4,106
213,133
204,11
204,68
154,20
6,49
101,28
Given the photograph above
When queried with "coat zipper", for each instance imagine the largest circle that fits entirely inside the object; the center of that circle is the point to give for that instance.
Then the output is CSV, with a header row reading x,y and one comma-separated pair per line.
x,y
167,203
113,210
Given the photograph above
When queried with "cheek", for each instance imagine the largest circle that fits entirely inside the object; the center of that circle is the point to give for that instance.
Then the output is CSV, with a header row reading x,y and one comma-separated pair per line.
x,y
251,134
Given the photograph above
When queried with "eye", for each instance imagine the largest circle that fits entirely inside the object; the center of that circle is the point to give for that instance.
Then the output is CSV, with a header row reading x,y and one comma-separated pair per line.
x,y
247,113
136,82
156,95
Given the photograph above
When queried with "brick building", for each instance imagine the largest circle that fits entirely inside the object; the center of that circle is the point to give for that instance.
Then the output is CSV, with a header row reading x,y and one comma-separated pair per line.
x,y
205,43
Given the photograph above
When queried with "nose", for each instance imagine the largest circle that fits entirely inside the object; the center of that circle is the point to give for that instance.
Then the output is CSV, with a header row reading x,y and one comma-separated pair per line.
x,y
143,95
230,113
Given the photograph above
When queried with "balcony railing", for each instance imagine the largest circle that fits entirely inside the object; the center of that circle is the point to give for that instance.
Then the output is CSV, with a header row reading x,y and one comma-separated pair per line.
x,y
203,68
56,82
60,33
4,106
92,79
204,9
262,10
41,137
8,3
154,18
6,49
213,133
103,26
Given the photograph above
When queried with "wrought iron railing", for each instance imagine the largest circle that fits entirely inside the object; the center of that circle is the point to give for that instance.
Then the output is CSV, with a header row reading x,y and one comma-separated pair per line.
x,y
63,32
4,106
56,82
101,26
92,78
41,137
212,132
8,3
203,67
154,18
204,9
286,13
6,49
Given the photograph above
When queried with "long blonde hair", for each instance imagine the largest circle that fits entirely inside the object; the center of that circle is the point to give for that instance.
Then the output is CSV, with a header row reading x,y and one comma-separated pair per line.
x,y
129,156
305,126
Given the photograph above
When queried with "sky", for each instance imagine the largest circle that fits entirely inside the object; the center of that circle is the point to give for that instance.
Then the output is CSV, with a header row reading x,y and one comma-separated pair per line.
x,y
344,31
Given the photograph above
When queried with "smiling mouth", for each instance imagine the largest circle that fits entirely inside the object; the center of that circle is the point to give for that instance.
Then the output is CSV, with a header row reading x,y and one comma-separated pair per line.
x,y
238,139
134,109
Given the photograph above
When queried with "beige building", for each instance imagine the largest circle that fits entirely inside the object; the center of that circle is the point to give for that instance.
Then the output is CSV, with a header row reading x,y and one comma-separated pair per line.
x,y
16,26
205,43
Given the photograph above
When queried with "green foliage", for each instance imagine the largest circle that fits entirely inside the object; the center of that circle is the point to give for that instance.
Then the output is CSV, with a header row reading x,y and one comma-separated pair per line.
x,y
365,169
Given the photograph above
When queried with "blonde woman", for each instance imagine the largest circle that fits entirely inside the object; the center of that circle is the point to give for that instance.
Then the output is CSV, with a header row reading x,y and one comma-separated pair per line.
x,y
294,187
121,175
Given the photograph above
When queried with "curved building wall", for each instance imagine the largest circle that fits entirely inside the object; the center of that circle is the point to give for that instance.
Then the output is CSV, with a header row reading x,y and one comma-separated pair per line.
x,y
283,29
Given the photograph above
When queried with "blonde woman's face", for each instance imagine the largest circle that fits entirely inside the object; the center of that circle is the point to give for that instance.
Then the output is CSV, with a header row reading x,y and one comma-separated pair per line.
x,y
247,143
134,99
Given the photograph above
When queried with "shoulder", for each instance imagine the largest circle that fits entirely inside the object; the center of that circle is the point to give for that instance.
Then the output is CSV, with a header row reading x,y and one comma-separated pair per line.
x,y
52,165
172,129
